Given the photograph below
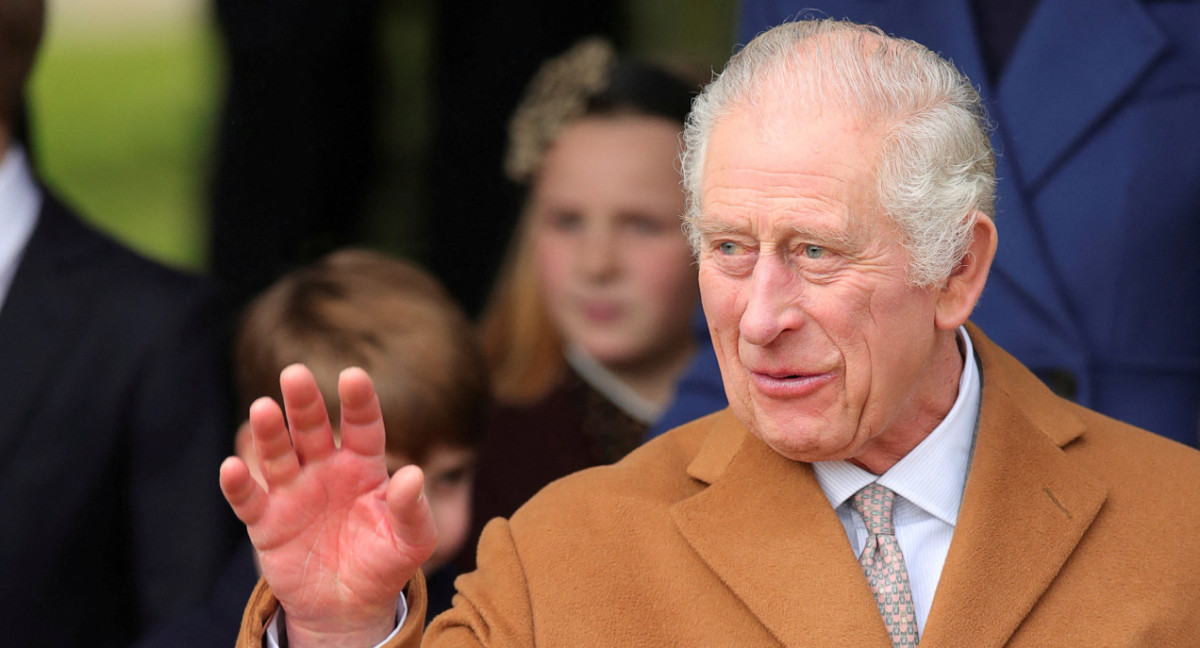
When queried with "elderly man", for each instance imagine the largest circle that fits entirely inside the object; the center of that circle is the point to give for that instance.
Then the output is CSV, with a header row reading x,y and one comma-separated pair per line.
x,y
884,474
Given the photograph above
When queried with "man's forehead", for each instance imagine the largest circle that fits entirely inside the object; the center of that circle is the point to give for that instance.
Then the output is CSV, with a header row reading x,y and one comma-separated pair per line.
x,y
806,155
789,131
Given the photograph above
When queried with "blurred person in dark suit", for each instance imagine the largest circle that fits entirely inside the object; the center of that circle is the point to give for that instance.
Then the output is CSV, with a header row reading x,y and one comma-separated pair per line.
x,y
113,412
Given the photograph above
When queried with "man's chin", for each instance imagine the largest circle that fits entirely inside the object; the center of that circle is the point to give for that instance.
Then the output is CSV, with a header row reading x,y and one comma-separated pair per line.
x,y
791,440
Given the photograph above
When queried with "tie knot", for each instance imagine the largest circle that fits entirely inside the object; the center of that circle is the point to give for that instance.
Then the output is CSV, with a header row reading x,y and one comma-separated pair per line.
x,y
874,503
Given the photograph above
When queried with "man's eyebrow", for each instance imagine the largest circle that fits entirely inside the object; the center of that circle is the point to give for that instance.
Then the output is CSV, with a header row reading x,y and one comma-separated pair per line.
x,y
838,238
708,227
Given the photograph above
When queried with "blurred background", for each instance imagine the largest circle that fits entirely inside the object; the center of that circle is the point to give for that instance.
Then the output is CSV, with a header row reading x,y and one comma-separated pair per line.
x,y
122,113
188,127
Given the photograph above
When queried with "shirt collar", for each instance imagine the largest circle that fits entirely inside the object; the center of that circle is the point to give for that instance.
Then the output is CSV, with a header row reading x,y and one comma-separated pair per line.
x,y
933,474
20,202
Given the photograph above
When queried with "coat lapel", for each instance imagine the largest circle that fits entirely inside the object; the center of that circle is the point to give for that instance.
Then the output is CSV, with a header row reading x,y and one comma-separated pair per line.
x,y
1025,509
764,527
767,531
1068,70
38,321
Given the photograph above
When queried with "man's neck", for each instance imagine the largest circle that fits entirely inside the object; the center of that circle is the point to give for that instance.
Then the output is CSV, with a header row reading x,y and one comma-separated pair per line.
x,y
936,402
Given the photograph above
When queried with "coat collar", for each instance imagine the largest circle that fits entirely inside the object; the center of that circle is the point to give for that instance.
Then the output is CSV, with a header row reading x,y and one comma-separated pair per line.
x,y
1025,508
764,526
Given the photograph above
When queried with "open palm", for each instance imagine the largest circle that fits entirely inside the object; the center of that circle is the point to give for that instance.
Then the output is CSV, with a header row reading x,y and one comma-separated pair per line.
x,y
337,539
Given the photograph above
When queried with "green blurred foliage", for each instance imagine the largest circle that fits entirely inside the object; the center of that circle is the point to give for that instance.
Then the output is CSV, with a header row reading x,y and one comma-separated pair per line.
x,y
122,125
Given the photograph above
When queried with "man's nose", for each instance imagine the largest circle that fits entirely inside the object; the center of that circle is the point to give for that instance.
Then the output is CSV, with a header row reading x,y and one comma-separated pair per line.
x,y
772,302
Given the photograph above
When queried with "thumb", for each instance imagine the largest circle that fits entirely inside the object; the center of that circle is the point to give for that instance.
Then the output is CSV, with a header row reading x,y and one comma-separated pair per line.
x,y
409,514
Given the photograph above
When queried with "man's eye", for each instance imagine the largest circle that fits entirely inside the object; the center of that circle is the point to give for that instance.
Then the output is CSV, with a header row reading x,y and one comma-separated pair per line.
x,y
814,251
729,248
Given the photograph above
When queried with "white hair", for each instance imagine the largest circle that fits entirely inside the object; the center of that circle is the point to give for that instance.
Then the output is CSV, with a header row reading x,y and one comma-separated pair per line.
x,y
936,167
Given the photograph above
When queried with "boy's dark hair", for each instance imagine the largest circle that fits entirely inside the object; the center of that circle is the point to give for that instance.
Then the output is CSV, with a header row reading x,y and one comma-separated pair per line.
x,y
364,309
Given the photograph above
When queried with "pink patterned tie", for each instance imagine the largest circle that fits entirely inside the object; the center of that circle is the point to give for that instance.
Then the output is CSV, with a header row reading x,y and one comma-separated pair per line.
x,y
884,564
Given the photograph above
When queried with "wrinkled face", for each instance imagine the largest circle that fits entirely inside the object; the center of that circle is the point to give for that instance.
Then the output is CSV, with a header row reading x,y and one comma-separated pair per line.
x,y
615,268
826,352
449,477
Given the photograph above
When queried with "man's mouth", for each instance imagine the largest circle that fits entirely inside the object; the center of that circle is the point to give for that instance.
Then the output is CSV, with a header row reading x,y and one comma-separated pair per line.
x,y
787,384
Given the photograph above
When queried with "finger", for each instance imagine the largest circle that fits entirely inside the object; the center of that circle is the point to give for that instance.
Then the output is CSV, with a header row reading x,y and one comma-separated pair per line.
x,y
248,501
277,461
409,514
312,434
362,420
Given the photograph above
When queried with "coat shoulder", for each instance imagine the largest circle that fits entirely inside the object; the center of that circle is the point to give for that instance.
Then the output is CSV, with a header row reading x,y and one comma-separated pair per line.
x,y
1134,460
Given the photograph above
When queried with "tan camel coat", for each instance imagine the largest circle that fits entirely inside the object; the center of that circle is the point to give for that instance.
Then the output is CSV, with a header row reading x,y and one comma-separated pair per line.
x,y
1075,530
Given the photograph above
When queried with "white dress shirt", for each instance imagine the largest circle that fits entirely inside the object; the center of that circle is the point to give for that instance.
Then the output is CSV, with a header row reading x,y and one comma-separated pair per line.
x,y
928,483
20,201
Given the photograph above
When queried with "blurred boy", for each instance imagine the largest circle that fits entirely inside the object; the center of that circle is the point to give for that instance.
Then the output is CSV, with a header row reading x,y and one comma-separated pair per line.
x,y
359,308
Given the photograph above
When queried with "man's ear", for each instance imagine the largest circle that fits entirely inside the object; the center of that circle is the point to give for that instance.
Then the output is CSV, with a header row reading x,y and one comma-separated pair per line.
x,y
956,299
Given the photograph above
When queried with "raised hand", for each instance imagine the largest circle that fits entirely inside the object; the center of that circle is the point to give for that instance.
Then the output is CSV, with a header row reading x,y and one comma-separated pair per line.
x,y
336,538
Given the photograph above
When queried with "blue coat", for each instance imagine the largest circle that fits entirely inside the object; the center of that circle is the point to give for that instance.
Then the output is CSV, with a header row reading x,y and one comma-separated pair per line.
x,y
1095,286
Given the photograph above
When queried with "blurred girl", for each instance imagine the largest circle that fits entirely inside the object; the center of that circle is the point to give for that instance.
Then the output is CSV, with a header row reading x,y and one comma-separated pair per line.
x,y
588,327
